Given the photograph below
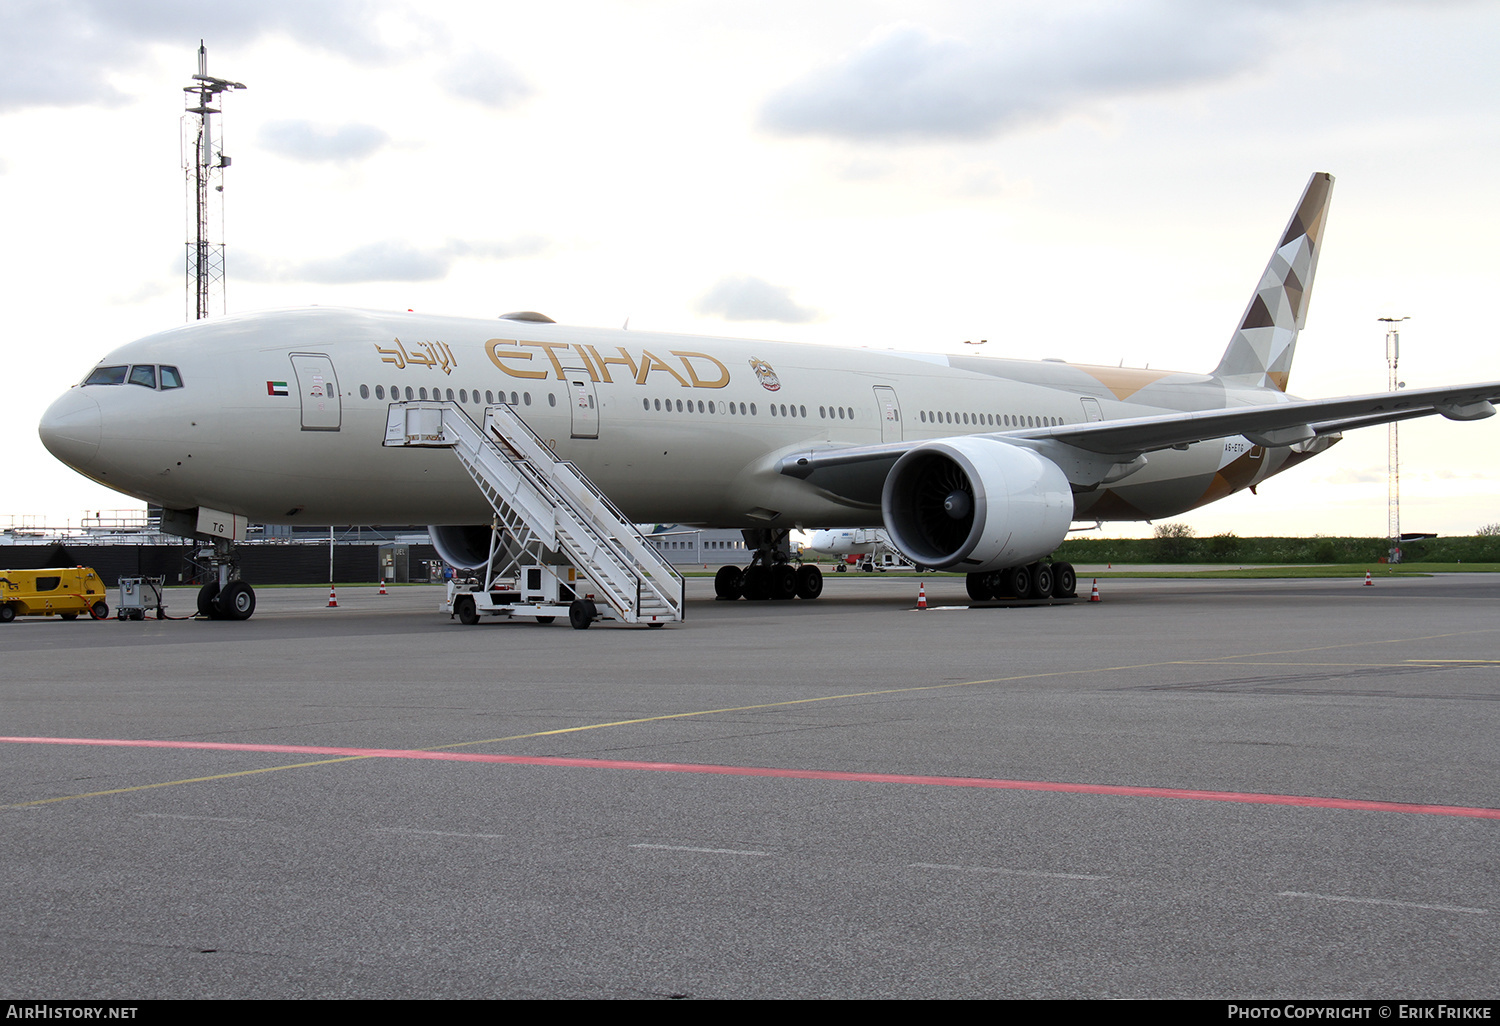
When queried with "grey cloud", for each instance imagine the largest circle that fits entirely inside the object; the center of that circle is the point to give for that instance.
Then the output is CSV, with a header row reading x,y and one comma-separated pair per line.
x,y
907,82
62,52
303,140
486,80
745,298
391,260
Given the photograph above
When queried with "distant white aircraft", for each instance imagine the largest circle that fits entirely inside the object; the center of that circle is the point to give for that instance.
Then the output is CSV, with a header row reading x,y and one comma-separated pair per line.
x,y
970,463
871,544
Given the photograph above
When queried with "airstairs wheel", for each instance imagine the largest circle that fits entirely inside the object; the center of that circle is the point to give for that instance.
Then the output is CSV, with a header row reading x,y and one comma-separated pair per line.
x,y
581,613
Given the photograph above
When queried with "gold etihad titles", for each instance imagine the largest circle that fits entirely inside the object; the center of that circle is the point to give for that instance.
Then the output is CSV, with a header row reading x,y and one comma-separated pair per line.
x,y
437,355
519,360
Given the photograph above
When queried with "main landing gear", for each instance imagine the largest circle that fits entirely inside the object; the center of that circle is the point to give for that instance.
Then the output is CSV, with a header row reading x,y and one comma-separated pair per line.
x,y
226,597
770,574
1034,581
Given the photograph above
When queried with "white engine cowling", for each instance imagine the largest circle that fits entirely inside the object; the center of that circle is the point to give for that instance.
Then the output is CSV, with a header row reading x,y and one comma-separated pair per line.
x,y
466,546
975,505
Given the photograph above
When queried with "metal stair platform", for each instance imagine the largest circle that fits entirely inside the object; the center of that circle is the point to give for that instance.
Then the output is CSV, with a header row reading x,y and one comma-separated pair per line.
x,y
546,510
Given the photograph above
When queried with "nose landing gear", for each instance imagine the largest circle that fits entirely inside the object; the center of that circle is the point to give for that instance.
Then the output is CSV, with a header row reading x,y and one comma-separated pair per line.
x,y
226,597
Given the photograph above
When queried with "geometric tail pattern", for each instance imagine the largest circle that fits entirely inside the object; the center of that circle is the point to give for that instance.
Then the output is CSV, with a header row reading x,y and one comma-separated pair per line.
x,y
1260,353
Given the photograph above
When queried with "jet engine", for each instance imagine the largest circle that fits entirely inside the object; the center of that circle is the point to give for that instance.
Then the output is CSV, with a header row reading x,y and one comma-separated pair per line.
x,y
975,505
466,546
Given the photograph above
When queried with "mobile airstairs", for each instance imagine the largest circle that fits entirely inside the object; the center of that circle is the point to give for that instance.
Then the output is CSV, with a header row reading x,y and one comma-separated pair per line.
x,y
558,547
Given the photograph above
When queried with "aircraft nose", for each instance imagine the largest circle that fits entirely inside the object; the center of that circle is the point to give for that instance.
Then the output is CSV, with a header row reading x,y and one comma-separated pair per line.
x,y
71,428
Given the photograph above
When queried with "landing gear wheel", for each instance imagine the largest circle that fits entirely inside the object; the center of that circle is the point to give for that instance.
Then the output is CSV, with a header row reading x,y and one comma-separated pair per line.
x,y
980,587
7,614
1041,581
1017,581
809,581
581,613
206,596
99,611
1064,581
783,582
756,583
467,614
236,601
728,583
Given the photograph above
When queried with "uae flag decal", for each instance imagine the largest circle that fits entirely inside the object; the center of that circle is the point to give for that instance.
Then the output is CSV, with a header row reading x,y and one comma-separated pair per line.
x,y
276,388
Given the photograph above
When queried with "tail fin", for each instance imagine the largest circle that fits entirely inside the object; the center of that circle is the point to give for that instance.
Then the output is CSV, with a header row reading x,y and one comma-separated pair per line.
x,y
1260,353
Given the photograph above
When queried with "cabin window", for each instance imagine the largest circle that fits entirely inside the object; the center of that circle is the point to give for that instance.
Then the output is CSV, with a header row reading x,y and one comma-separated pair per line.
x,y
364,391
379,391
551,399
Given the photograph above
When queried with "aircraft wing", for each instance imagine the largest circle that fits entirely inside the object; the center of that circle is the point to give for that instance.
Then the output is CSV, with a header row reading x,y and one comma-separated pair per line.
x,y
855,471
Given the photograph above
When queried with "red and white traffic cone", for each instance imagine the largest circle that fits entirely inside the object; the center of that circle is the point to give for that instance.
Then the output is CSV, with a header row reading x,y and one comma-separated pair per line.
x,y
382,586
1094,595
333,600
1369,582
922,595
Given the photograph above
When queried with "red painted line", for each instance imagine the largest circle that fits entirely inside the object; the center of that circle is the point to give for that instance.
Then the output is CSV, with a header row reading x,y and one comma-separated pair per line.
x,y
1117,790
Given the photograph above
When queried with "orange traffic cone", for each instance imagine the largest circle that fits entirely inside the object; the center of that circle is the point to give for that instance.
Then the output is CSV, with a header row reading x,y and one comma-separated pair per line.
x,y
1094,595
333,600
1369,583
922,595
382,586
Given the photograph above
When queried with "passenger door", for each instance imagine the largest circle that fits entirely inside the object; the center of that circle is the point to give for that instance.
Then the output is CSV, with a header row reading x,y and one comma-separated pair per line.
x,y
318,389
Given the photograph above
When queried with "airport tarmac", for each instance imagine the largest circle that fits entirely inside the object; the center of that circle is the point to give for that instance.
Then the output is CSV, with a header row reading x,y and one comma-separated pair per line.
x,y
1219,789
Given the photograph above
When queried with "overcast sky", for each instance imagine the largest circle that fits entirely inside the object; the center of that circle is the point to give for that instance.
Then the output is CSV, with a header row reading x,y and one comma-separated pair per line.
x,y
1095,181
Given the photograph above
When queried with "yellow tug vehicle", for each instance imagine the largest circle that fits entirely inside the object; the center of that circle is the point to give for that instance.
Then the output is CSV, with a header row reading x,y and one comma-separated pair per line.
x,y
54,591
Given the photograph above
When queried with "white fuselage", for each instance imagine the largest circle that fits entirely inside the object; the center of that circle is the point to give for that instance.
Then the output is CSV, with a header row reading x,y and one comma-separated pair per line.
x,y
280,418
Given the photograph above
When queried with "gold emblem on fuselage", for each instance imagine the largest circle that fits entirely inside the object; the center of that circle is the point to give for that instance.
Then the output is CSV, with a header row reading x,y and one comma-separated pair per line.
x,y
767,377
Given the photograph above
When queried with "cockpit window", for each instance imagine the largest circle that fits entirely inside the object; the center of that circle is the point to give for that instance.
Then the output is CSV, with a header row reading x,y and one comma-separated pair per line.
x,y
143,374
106,376
170,378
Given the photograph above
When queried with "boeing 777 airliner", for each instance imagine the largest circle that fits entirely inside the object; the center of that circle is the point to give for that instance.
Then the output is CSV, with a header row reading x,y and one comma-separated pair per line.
x,y
970,464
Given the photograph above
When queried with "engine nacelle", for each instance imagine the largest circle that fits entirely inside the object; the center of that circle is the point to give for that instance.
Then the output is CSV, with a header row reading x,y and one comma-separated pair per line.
x,y
466,546
975,505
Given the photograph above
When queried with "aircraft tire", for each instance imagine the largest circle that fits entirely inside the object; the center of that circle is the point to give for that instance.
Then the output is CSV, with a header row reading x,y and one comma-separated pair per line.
x,y
236,601
467,614
756,584
809,582
1017,581
581,613
7,613
728,583
783,582
206,596
1041,581
1064,581
979,587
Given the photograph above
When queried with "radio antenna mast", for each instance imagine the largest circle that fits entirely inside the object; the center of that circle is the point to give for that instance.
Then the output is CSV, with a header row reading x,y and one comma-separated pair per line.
x,y
204,161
